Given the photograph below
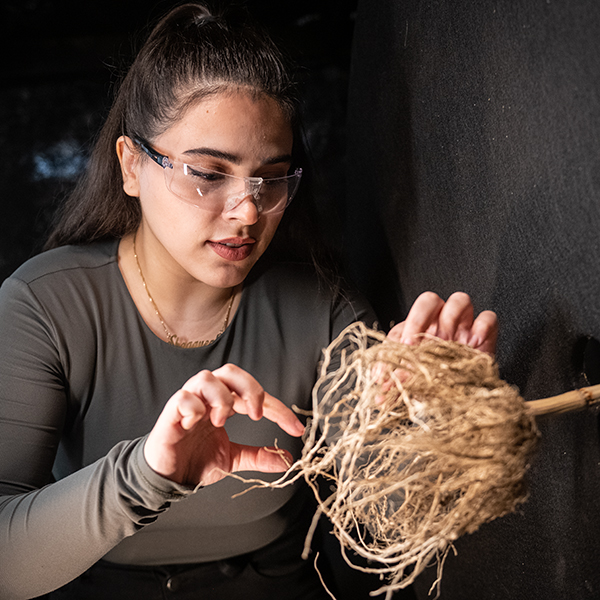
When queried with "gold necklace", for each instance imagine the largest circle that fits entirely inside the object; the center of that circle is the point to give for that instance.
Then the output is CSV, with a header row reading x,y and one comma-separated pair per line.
x,y
171,337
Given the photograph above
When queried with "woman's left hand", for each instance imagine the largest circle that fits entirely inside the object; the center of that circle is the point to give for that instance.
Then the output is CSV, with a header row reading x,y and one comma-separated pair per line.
x,y
450,320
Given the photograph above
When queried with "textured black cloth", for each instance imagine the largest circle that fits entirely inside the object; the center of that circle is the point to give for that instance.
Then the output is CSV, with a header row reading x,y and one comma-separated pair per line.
x,y
474,155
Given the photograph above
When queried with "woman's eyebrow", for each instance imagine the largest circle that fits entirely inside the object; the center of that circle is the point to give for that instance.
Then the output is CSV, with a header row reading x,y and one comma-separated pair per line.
x,y
283,158
232,158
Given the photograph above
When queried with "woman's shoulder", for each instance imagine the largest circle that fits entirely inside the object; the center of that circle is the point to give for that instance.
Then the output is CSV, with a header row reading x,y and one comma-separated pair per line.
x,y
291,282
62,294
299,288
67,259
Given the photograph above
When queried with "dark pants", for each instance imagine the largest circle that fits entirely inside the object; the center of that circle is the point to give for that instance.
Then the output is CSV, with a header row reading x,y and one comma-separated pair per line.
x,y
276,571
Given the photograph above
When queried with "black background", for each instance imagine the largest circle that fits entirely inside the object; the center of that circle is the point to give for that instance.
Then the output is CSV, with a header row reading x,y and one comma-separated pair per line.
x,y
472,162
476,126
60,61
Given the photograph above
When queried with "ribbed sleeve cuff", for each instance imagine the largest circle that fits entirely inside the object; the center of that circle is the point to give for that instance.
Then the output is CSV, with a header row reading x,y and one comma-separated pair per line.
x,y
168,489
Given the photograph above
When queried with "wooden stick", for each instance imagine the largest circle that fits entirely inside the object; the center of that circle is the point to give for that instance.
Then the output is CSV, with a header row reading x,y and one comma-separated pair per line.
x,y
574,400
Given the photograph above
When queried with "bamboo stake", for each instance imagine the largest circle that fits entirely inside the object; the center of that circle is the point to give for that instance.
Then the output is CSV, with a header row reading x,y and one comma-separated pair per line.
x,y
574,400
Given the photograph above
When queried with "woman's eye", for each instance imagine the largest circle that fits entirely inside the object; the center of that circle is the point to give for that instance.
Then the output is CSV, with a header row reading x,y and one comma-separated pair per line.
x,y
210,176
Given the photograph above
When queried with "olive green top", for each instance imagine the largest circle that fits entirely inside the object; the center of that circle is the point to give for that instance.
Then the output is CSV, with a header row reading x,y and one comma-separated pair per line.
x,y
83,380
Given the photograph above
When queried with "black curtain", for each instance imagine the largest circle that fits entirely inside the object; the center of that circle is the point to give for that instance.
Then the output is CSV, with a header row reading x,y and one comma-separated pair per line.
x,y
474,164
63,59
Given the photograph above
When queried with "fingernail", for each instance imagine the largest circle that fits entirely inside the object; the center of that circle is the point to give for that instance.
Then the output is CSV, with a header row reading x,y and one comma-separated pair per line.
x,y
475,341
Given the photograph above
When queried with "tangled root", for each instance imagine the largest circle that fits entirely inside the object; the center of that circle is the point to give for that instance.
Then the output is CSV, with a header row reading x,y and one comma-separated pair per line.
x,y
419,445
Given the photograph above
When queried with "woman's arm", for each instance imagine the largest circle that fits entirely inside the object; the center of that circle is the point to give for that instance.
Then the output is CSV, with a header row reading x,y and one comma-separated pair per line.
x,y
52,532
51,535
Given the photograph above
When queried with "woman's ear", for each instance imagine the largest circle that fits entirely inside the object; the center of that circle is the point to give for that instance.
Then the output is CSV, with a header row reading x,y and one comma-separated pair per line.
x,y
129,160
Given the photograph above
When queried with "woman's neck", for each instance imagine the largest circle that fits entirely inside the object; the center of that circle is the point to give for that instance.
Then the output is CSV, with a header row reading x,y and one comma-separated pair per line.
x,y
171,301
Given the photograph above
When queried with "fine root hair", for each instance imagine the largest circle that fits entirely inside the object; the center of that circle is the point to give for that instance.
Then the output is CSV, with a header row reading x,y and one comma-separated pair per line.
x,y
409,448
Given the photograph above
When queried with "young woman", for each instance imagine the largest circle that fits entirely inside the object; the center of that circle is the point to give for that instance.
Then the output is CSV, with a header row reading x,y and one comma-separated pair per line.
x,y
146,354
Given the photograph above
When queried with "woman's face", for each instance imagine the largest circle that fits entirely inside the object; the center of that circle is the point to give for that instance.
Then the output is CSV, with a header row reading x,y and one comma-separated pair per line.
x,y
233,133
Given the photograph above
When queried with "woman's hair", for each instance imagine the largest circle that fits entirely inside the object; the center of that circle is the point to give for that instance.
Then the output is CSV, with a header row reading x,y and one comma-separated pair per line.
x,y
191,54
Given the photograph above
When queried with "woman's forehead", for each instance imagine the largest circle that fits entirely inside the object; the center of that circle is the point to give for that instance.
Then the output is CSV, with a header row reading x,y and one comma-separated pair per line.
x,y
232,119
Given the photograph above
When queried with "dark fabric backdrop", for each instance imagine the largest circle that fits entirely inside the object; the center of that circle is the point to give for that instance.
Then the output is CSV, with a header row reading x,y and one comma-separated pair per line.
x,y
62,59
474,155
473,164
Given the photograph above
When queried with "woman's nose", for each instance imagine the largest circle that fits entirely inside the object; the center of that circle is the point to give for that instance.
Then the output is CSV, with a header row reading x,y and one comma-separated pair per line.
x,y
243,208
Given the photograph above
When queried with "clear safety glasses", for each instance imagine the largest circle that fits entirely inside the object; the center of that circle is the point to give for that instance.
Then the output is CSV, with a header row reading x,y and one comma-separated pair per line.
x,y
220,192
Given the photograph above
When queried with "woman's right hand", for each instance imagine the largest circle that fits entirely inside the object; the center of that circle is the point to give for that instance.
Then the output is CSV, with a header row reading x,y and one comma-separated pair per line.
x,y
189,444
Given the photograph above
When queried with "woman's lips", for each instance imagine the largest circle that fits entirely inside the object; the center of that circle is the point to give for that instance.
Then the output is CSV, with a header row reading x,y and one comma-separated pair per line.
x,y
233,248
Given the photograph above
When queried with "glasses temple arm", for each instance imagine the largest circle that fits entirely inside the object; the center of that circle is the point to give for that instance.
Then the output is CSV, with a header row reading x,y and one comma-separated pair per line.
x,y
157,157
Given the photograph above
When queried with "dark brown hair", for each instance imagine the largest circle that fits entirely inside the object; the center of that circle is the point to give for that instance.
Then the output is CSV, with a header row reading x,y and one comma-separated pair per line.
x,y
191,53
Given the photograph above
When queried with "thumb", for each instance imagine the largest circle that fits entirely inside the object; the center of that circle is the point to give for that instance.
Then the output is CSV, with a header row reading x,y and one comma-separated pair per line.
x,y
266,459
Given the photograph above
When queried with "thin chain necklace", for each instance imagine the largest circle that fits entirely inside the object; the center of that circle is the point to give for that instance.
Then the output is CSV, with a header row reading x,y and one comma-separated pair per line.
x,y
171,337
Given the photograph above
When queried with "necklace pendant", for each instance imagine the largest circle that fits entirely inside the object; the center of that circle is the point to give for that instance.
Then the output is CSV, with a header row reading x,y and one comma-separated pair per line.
x,y
174,341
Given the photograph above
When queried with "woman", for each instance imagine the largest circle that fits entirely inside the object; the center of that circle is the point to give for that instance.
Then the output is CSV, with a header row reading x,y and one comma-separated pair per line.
x,y
151,292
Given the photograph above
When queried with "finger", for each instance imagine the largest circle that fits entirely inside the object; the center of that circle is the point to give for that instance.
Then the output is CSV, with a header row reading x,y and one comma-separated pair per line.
x,y
484,333
257,402
396,331
396,334
189,407
275,410
245,396
249,394
381,376
183,410
181,413
263,459
380,372
422,317
400,376
214,393
456,318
